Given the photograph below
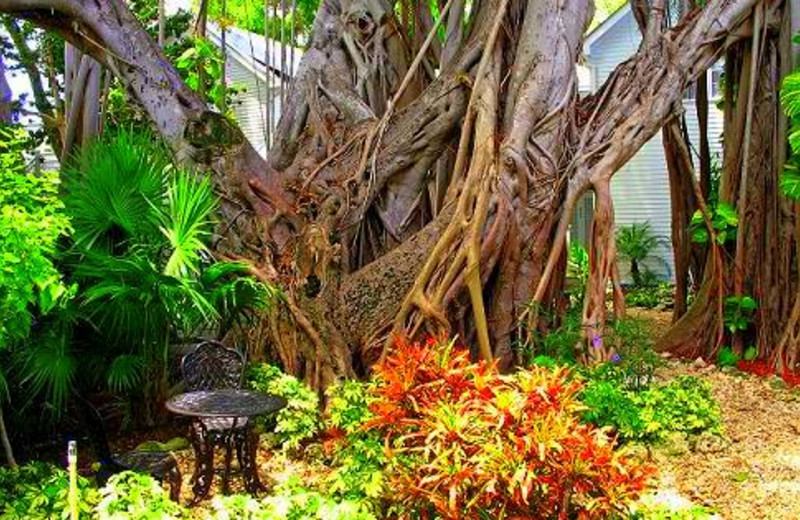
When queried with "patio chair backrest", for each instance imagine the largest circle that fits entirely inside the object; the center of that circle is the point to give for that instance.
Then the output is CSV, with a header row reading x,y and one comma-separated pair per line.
x,y
213,366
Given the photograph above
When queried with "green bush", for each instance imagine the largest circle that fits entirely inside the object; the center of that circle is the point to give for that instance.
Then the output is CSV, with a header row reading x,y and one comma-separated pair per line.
x,y
558,344
348,405
290,502
662,294
357,456
727,357
635,361
609,405
684,405
135,496
653,507
39,491
299,421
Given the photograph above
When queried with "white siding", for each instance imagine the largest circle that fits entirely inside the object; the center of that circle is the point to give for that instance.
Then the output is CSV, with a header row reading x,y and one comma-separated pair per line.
x,y
249,107
641,187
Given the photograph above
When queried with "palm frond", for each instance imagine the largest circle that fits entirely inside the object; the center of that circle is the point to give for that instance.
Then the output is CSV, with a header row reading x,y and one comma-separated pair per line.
x,y
125,372
790,181
790,94
111,187
187,222
49,369
637,241
235,294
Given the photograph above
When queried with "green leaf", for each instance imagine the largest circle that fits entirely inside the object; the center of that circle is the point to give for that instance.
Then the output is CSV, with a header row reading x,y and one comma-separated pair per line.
x,y
700,235
790,183
728,213
748,303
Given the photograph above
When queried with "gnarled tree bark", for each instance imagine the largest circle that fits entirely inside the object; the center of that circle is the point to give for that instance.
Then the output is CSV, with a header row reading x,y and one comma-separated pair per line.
x,y
354,211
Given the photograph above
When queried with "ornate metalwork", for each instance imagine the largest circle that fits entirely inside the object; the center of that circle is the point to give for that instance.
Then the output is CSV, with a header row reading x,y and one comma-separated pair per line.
x,y
213,366
222,419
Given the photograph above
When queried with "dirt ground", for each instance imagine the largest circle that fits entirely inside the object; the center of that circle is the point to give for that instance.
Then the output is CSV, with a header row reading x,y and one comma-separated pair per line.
x,y
755,474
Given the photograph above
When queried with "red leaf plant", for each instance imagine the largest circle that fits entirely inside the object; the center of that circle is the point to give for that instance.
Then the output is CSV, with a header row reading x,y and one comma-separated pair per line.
x,y
465,442
763,368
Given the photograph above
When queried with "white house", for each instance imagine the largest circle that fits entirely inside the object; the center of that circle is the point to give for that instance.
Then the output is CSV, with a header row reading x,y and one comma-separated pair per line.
x,y
641,188
246,68
255,65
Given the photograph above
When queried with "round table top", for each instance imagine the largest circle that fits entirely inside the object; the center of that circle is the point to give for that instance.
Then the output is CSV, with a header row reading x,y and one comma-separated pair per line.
x,y
224,403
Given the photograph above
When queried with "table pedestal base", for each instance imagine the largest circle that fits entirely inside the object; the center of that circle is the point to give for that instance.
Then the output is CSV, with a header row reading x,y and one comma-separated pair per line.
x,y
243,440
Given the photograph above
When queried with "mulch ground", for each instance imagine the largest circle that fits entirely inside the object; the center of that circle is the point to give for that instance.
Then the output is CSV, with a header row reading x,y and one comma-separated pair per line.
x,y
754,476
757,474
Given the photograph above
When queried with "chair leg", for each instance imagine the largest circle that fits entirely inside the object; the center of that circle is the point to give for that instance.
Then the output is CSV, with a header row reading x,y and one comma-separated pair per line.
x,y
228,459
250,466
239,441
174,480
204,461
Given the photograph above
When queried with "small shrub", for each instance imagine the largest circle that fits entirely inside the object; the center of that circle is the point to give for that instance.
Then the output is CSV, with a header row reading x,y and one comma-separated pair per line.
x,y
738,313
239,507
683,405
558,345
348,405
544,361
466,443
669,507
39,491
300,419
357,455
635,362
289,503
135,496
650,297
727,358
609,405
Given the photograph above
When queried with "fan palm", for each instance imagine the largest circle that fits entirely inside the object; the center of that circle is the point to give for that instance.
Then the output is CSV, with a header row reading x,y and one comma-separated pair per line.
x,y
111,188
636,243
141,258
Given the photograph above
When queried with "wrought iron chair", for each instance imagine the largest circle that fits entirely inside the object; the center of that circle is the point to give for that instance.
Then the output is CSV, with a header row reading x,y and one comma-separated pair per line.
x,y
213,366
160,464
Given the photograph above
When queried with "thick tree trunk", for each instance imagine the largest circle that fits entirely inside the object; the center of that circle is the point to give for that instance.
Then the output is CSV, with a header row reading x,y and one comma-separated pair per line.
x,y
354,211
764,257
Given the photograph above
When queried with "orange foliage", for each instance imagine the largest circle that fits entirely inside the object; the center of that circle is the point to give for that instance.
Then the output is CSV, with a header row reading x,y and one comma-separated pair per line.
x,y
468,443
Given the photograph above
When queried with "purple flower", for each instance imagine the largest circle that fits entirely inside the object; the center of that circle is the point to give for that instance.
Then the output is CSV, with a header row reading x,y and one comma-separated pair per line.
x,y
616,358
597,341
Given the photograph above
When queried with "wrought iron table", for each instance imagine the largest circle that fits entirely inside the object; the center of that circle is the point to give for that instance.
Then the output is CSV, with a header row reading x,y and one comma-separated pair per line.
x,y
226,416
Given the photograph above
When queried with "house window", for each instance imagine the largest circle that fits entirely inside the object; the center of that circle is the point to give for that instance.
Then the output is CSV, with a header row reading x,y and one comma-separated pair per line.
x,y
714,85
715,89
